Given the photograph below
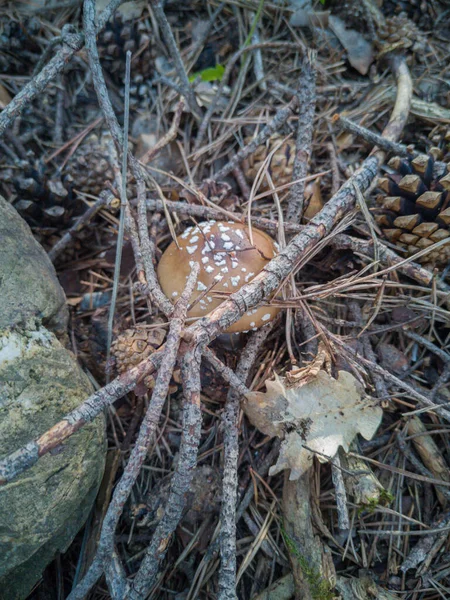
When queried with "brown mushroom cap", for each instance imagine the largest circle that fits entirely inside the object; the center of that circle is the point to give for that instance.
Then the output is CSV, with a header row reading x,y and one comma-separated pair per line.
x,y
228,260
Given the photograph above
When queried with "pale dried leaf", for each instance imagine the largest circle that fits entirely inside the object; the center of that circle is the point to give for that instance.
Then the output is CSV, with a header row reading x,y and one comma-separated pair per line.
x,y
359,50
316,418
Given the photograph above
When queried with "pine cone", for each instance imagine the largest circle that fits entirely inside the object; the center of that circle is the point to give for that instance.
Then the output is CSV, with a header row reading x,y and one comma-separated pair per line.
x,y
281,164
44,200
136,344
114,41
90,167
416,207
400,33
419,11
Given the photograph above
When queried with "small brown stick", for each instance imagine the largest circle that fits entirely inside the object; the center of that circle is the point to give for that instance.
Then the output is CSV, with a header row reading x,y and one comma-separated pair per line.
x,y
104,199
335,177
240,178
388,257
442,354
227,572
71,43
281,116
145,439
371,137
262,470
47,51
340,493
167,137
208,212
59,116
181,479
115,576
166,30
148,254
365,488
419,467
421,551
306,100
412,391
122,179
429,453
442,380
380,384
224,81
228,375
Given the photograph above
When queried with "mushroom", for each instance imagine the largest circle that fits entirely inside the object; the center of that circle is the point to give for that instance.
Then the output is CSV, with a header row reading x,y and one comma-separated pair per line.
x,y
228,260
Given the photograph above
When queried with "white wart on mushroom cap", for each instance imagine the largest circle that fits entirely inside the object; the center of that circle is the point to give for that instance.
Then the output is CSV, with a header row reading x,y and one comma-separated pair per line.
x,y
228,260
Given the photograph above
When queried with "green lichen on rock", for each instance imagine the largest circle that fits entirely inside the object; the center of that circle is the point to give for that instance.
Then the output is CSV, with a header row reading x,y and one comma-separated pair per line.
x,y
28,283
42,510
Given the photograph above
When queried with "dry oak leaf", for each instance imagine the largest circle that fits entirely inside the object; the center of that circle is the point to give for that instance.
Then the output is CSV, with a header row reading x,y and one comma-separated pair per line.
x,y
314,418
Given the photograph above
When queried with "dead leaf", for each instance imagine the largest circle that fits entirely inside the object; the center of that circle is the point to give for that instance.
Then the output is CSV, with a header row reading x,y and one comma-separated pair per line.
x,y
359,50
316,418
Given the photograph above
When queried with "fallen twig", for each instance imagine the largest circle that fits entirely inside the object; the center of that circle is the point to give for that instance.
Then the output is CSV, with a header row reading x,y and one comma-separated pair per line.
x,y
306,100
185,86
71,43
105,199
227,573
145,438
181,479
167,137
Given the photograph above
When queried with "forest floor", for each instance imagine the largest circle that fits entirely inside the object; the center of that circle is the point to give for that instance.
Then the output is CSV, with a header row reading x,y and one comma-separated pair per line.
x,y
276,114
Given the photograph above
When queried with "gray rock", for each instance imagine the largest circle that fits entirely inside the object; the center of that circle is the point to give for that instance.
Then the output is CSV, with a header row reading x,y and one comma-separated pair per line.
x,y
28,283
42,510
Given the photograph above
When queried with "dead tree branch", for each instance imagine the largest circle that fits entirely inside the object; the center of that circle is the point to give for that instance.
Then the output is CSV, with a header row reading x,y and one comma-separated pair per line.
x,y
181,479
306,100
145,438
71,43
228,552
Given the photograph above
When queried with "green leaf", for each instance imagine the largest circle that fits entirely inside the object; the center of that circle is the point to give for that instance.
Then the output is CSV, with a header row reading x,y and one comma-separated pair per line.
x,y
209,74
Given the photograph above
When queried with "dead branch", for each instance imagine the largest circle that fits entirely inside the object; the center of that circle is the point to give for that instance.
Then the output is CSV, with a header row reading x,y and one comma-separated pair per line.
x,y
305,550
104,199
306,100
166,30
167,137
145,438
227,573
181,479
71,43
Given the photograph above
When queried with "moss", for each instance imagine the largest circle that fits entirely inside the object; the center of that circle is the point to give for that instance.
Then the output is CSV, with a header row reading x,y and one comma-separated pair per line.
x,y
384,499
319,587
